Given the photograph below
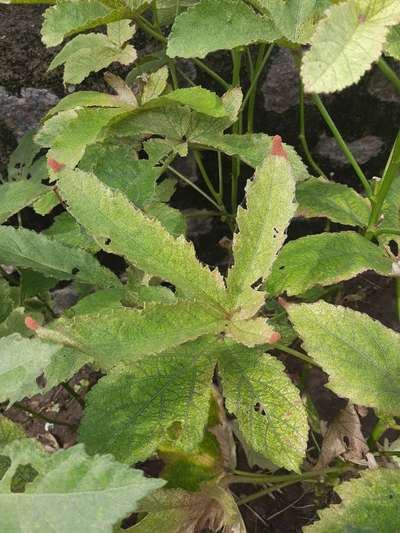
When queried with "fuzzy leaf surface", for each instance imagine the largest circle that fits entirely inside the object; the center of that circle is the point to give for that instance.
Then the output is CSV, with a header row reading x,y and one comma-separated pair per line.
x,y
23,248
318,197
369,503
262,225
130,411
214,25
86,493
346,42
278,429
325,259
126,335
360,355
121,229
15,195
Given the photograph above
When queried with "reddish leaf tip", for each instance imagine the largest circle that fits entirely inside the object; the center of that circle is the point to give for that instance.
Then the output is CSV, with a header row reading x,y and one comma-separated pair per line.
x,y
275,337
277,147
55,165
30,323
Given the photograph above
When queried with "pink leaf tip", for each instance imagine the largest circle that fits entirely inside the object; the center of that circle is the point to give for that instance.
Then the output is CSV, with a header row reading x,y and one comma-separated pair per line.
x,y
55,165
275,337
277,147
30,323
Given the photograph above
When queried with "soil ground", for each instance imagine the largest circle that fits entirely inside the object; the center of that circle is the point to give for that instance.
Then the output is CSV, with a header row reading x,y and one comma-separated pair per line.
x,y
370,110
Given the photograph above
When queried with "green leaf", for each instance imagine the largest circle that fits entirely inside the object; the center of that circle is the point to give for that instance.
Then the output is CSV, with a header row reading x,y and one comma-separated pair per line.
x,y
130,411
293,18
278,428
392,46
69,17
214,25
85,492
6,302
318,197
369,503
21,164
391,213
360,355
346,42
121,229
67,231
64,364
262,226
172,219
16,195
121,31
156,84
9,431
323,260
97,302
46,203
250,332
27,249
126,335
69,133
90,53
198,99
146,65
21,362
167,9
85,99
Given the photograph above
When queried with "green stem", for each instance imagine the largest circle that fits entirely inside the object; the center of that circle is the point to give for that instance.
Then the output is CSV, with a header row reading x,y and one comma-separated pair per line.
x,y
261,61
237,62
377,432
40,416
174,77
211,73
386,231
295,353
261,493
389,73
186,78
220,176
302,134
194,186
390,173
73,394
341,142
205,177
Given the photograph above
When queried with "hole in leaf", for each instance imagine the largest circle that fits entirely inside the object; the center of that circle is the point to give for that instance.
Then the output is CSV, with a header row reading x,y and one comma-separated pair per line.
x,y
23,475
5,463
282,267
108,242
75,271
394,248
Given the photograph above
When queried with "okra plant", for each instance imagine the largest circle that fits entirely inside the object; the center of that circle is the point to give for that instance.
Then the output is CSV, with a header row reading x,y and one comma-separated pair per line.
x,y
188,355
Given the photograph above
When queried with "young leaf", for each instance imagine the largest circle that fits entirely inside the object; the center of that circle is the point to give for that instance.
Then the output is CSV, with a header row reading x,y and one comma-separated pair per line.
x,y
21,362
360,355
69,17
156,84
130,411
346,42
15,195
318,197
369,503
278,428
120,228
126,335
89,53
270,207
27,249
325,259
251,332
85,492
214,25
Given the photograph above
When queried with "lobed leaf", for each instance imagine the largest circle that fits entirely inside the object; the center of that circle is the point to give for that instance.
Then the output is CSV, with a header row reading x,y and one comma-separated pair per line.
x,y
23,248
121,229
212,25
369,503
360,355
278,429
130,411
86,493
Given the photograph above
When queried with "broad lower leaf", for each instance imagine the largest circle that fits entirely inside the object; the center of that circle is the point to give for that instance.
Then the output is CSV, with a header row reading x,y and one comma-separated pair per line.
x,y
16,195
70,17
120,228
278,428
369,503
346,42
86,493
90,53
214,25
126,335
68,133
360,355
21,362
262,226
130,411
318,197
323,260
27,249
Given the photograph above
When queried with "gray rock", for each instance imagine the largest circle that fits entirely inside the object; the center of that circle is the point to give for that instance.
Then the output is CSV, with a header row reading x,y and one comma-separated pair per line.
x,y
64,299
23,113
281,84
381,88
363,149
